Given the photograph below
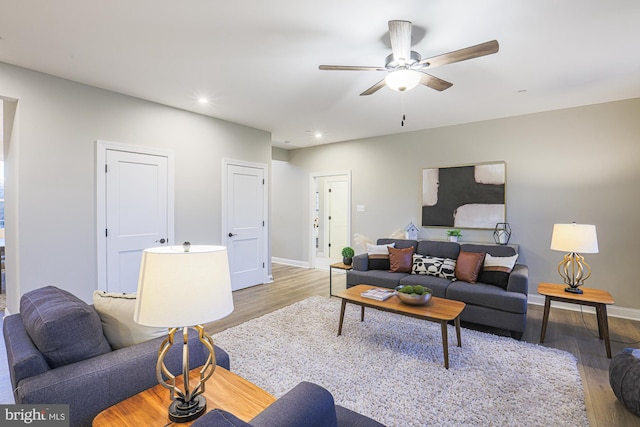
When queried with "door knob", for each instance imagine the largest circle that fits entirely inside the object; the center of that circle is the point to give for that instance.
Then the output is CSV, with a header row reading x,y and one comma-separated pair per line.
x,y
231,234
161,241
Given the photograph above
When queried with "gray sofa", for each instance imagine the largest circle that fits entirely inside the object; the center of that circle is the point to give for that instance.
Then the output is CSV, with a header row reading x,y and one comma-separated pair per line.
x,y
306,405
91,384
486,304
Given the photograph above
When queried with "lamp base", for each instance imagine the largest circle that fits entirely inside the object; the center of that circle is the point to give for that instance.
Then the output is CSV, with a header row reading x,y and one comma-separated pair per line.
x,y
572,290
184,412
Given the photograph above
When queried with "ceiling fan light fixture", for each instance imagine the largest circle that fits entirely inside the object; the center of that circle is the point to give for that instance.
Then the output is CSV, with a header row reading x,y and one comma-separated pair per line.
x,y
402,80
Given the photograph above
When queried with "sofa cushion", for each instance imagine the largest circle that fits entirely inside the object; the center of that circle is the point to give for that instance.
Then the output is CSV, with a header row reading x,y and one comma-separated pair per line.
x,y
434,266
437,284
401,260
382,278
496,270
438,249
379,256
489,296
116,313
64,328
468,266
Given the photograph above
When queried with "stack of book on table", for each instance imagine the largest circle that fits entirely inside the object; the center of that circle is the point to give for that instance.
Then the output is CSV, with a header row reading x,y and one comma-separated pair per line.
x,y
378,294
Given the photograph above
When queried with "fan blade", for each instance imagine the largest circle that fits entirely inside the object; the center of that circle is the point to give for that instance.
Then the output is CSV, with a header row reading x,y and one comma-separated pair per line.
x,y
350,68
400,37
476,51
434,82
373,89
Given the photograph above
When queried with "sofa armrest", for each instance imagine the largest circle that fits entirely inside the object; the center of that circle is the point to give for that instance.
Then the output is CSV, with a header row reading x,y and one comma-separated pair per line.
x,y
23,358
306,404
360,262
519,279
94,384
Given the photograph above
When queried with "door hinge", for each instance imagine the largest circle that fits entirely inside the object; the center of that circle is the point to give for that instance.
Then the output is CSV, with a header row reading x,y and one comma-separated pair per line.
x,y
262,181
106,232
106,168
329,244
263,265
329,217
329,190
263,223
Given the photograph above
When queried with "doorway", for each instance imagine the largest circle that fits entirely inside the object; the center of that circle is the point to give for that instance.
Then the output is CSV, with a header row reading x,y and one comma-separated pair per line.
x,y
330,217
134,212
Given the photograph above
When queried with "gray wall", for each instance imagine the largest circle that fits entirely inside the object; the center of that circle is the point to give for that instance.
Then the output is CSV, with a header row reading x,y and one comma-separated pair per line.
x,y
51,173
579,164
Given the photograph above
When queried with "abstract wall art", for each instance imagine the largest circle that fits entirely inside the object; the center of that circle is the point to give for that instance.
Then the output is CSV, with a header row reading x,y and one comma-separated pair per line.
x,y
469,196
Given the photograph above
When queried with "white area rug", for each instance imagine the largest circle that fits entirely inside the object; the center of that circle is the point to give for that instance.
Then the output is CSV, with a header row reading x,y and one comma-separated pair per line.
x,y
390,368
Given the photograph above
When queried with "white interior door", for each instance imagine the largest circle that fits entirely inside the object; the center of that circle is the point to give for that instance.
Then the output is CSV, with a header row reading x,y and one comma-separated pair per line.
x,y
245,225
137,214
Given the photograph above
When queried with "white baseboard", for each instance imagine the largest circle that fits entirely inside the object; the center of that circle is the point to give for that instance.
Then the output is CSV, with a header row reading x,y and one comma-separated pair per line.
x,y
291,262
612,310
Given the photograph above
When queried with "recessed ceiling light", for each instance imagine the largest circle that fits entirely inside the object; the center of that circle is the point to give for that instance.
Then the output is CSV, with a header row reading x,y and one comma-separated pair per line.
x,y
203,100
318,134
522,91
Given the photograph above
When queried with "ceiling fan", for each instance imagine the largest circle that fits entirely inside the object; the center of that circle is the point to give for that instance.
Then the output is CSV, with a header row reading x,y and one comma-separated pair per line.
x,y
405,68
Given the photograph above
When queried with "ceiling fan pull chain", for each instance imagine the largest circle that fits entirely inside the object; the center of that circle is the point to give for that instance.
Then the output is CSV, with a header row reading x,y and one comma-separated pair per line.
x,y
403,109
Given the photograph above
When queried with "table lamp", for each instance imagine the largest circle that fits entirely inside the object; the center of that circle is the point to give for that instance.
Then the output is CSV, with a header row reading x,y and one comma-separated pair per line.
x,y
574,239
181,287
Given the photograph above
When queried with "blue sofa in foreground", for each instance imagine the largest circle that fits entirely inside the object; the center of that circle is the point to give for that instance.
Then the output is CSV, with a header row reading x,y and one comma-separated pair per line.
x,y
57,354
305,405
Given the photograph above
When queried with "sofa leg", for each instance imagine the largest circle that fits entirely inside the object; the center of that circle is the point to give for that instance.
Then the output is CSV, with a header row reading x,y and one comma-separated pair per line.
x,y
516,335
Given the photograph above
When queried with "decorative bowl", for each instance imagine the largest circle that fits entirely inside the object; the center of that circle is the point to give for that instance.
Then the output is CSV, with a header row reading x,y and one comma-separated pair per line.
x,y
414,299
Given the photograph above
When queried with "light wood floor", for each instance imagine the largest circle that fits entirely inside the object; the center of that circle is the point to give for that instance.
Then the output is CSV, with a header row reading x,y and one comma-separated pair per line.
x,y
567,330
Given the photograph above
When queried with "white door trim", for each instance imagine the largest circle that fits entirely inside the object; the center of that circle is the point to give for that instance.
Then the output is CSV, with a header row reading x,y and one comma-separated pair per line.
x,y
266,253
102,147
312,191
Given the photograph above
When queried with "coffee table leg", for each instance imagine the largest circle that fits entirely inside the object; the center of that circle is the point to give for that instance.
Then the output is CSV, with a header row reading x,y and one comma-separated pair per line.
x,y
445,343
545,317
344,304
362,313
457,322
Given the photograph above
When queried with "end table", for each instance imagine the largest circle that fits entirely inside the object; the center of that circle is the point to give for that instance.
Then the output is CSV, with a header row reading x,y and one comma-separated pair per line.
x,y
592,297
339,266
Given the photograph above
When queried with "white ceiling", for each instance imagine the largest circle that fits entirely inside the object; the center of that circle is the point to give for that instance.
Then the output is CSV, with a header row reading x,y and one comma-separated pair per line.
x,y
257,60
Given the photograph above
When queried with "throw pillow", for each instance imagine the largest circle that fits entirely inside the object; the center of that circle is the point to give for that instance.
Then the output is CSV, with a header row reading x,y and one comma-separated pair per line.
x,y
116,313
401,260
468,266
496,270
434,266
379,256
64,328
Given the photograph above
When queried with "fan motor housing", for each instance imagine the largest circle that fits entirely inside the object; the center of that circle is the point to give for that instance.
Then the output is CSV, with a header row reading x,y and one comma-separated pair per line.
x,y
390,64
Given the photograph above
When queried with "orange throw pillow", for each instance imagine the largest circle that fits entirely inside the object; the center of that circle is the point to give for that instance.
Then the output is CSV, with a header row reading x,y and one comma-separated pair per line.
x,y
469,265
401,260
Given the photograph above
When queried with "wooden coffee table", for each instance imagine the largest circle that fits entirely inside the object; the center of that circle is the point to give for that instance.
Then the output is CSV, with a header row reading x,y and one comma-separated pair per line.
x,y
224,390
437,310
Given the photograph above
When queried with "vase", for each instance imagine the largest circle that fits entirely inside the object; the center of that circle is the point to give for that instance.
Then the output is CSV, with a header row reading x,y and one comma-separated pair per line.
x,y
347,261
453,238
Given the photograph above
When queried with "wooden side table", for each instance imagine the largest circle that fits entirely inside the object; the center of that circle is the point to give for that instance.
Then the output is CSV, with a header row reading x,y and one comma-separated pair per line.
x,y
591,297
224,390
339,266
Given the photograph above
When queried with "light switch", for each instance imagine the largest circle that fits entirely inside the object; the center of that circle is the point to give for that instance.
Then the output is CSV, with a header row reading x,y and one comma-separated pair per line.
x,y
360,208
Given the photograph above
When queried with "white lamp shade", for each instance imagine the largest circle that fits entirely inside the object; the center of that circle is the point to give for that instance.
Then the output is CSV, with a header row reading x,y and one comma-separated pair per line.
x,y
402,80
580,238
178,288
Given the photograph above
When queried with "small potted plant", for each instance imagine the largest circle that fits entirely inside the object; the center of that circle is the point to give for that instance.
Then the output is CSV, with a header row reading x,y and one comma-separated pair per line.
x,y
454,235
347,255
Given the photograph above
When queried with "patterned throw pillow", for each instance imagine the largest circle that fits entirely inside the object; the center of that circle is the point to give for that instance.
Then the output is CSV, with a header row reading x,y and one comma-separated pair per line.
x,y
496,270
434,266
379,256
